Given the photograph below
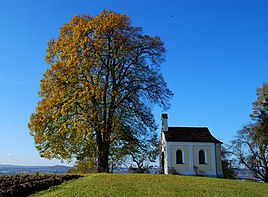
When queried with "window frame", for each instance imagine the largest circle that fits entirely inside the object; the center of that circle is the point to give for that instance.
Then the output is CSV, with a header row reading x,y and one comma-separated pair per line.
x,y
182,157
204,160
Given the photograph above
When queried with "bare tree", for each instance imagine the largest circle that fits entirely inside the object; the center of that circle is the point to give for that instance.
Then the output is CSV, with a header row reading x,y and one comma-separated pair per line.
x,y
251,149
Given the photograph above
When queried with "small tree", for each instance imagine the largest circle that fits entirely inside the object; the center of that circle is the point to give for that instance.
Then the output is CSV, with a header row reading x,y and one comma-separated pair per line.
x,y
251,142
118,156
227,163
142,153
83,166
252,151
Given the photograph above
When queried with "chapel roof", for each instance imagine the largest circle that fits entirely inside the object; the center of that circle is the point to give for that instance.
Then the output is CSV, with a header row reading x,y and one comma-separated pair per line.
x,y
189,134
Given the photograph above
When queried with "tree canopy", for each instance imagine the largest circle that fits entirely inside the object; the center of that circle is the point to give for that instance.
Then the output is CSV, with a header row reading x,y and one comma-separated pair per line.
x,y
103,82
260,111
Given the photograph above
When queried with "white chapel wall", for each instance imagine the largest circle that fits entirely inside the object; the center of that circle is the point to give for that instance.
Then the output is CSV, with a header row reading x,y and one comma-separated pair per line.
x,y
180,168
191,157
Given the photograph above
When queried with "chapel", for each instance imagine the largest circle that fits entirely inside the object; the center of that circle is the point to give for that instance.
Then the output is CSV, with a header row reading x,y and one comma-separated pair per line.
x,y
189,151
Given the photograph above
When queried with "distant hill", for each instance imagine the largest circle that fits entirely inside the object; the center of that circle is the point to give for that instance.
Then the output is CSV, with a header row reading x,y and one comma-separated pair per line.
x,y
6,166
15,169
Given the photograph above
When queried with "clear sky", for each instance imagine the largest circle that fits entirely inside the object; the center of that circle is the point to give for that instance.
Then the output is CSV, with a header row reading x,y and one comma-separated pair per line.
x,y
217,55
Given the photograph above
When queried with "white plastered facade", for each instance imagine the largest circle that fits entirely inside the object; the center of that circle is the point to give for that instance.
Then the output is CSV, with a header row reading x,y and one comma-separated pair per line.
x,y
190,157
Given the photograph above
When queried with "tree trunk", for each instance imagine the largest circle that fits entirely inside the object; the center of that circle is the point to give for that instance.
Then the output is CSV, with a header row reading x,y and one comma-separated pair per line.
x,y
103,153
266,176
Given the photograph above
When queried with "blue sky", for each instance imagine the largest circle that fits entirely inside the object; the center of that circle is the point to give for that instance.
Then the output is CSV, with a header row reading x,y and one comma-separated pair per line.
x,y
217,55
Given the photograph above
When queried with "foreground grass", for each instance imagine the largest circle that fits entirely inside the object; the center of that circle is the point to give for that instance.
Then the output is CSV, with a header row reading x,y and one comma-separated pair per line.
x,y
154,185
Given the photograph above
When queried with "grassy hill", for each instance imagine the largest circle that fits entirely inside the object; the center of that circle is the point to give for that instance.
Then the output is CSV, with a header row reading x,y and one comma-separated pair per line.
x,y
155,185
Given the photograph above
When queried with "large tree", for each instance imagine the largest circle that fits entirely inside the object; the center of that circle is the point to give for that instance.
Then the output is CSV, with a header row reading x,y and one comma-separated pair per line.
x,y
103,82
251,142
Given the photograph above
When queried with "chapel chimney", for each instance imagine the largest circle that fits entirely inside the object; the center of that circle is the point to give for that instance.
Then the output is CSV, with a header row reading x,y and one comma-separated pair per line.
x,y
164,122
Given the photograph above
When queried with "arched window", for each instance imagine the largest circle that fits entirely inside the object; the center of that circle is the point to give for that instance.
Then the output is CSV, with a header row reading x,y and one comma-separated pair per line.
x,y
202,157
179,157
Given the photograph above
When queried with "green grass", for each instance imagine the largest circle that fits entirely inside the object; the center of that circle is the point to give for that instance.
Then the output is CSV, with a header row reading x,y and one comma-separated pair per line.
x,y
154,185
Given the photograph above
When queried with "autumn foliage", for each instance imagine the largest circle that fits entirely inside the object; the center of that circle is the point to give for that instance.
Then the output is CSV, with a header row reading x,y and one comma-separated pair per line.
x,y
251,142
99,91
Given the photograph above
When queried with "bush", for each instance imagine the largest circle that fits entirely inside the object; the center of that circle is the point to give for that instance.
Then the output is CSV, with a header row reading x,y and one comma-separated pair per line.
x,y
173,171
24,185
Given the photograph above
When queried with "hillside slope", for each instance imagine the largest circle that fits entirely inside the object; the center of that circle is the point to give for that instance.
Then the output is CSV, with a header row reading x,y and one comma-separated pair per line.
x,y
155,185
